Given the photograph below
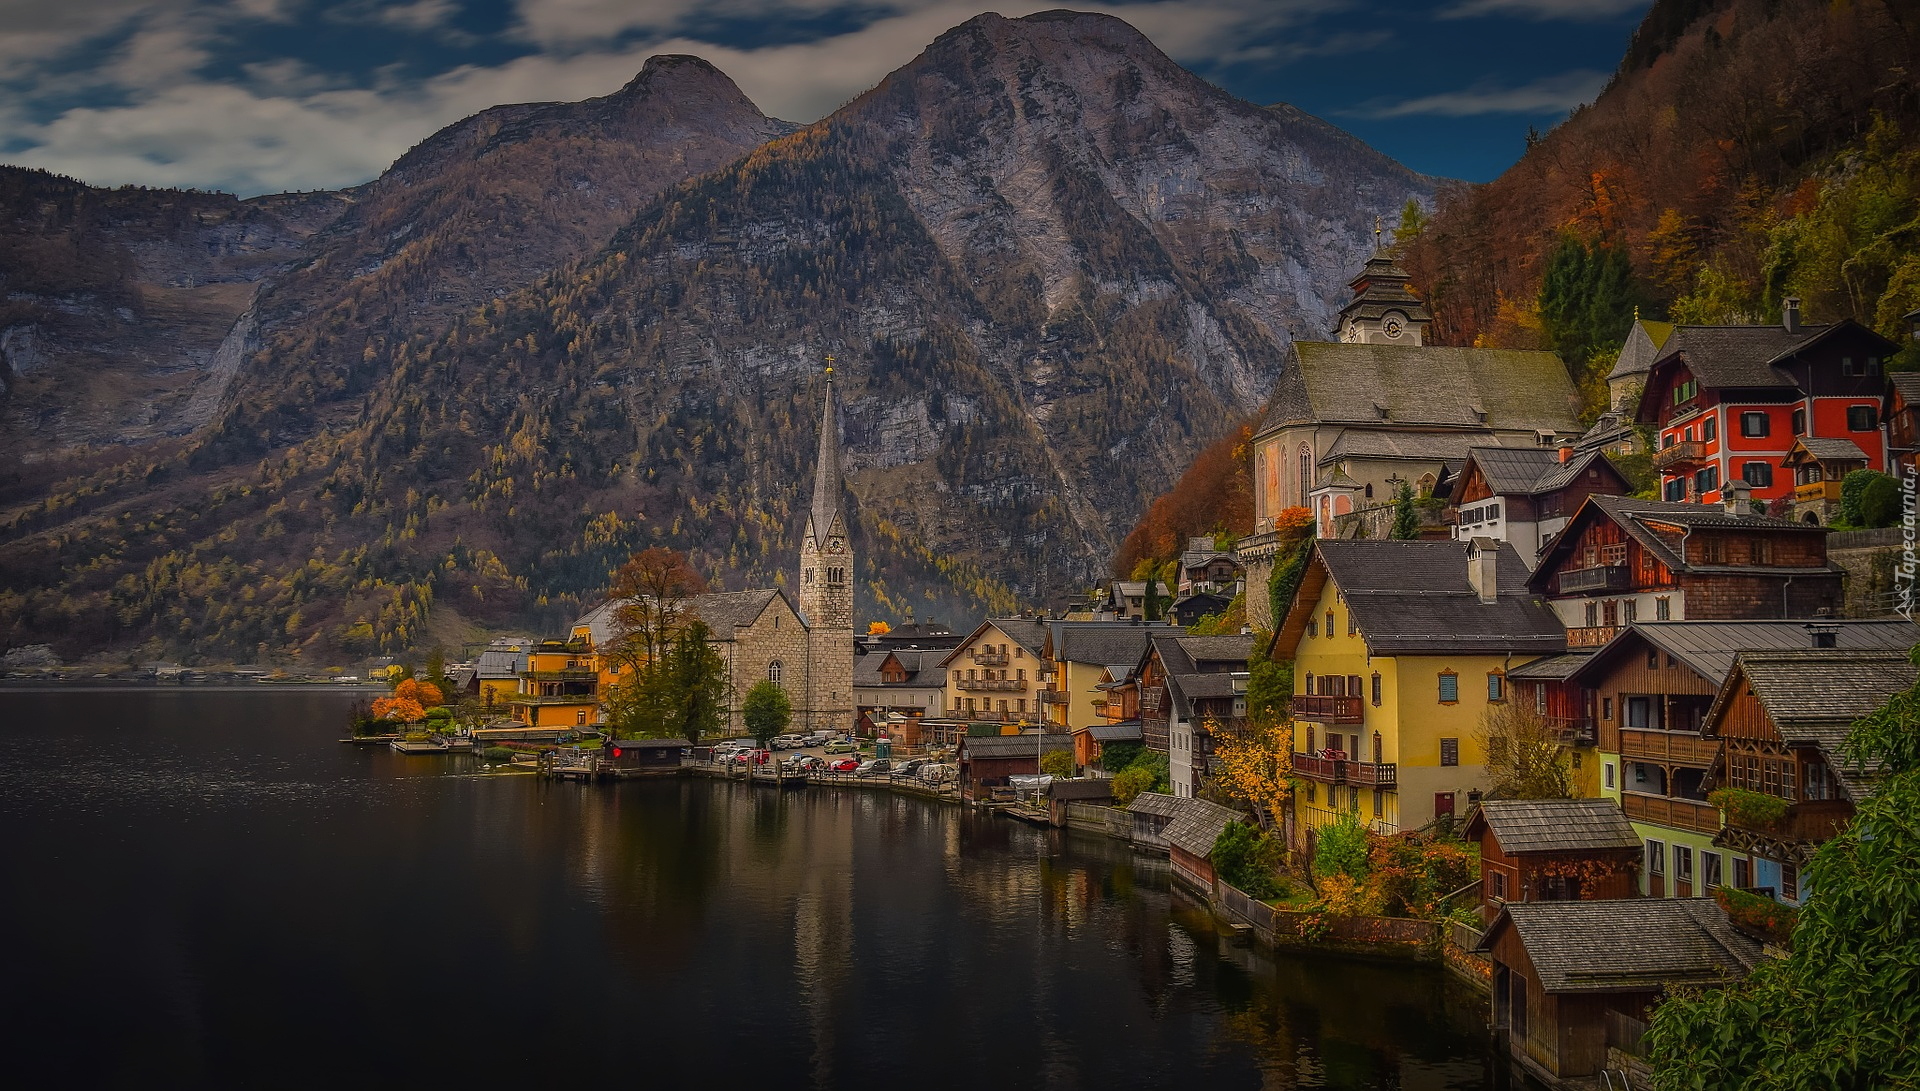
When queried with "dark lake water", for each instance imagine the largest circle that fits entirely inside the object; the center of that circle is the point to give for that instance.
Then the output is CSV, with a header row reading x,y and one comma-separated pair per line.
x,y
203,888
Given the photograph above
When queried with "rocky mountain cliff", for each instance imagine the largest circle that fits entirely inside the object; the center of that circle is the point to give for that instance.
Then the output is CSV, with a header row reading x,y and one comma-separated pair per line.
x,y
1051,265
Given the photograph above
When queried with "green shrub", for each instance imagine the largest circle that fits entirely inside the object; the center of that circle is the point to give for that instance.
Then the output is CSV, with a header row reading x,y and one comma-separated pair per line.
x,y
1869,498
1115,757
1057,763
1752,810
497,753
1249,860
1341,849
1130,782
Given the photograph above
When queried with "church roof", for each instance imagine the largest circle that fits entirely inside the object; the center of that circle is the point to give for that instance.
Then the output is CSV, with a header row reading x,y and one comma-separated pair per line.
x,y
721,610
827,478
1414,385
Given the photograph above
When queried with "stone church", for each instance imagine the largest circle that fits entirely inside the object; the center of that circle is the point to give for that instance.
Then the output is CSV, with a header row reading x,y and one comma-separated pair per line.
x,y
806,648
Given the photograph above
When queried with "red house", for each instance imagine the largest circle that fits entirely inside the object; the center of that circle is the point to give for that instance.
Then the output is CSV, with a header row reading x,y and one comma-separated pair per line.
x,y
1729,401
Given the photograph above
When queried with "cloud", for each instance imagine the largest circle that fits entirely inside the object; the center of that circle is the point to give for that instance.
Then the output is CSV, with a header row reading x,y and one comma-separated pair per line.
x,y
1553,95
1582,10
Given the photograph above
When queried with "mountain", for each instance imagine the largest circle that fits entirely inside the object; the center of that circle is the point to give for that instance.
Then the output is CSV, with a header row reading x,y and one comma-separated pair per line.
x,y
1745,151
1050,264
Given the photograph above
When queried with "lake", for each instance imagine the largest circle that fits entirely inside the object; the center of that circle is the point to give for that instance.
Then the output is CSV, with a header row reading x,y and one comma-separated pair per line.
x,y
203,888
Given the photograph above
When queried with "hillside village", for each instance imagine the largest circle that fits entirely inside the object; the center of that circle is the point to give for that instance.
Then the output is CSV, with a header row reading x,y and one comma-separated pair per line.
x,y
1455,633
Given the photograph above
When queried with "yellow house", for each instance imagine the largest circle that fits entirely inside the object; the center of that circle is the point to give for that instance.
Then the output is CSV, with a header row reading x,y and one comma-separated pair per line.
x,y
1085,655
999,672
496,671
560,687
1399,649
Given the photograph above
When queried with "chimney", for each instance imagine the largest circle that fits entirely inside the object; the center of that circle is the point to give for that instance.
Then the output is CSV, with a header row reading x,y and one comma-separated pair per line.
x,y
1566,452
1483,568
1737,497
1824,636
1790,313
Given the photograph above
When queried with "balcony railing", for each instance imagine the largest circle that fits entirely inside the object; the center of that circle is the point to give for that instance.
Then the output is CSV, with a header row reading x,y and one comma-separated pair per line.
x,y
1816,491
1591,636
990,659
1668,747
1576,730
1060,697
571,674
1364,774
1324,770
1606,577
1681,814
1680,456
1325,709
553,699
1808,820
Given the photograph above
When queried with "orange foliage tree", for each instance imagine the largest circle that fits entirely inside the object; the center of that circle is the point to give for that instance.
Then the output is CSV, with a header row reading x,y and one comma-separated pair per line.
x,y
1213,496
409,702
653,589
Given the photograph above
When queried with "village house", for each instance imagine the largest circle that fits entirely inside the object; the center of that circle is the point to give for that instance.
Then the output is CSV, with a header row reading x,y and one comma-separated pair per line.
x,y
496,671
1622,560
1536,850
1901,412
1727,402
1207,568
1198,684
1780,719
1564,708
1648,692
1524,495
1350,422
998,672
1081,655
1399,649
1573,979
1152,813
1064,794
1196,826
892,680
1818,466
988,762
1192,609
560,686
1090,742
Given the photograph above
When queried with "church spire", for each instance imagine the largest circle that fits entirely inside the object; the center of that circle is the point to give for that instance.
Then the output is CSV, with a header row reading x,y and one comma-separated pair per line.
x,y
827,484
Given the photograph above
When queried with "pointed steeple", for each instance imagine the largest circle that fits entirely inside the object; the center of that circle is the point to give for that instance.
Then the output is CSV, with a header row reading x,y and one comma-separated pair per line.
x,y
826,472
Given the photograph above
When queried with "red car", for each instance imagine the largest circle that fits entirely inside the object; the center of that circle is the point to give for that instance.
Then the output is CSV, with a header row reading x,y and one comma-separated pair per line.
x,y
844,765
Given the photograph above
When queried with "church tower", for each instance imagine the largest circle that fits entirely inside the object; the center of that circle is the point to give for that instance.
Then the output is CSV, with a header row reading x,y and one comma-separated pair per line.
x,y
826,586
1384,310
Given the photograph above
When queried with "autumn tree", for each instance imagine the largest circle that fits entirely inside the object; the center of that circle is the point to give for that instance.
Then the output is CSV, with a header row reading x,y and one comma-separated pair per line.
x,y
409,702
681,693
653,590
1253,757
1526,758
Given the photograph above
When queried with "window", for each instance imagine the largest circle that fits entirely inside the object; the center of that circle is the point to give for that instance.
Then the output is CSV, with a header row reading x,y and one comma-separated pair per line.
x,y
1675,490
1310,690
1329,624
1686,391
1353,626
1606,775
1493,512
1653,659
1610,612
773,671
1450,751
1709,870
1496,686
1540,697
1790,882
1663,608
1656,857
1800,422
1306,472
1497,885
1860,418
1376,689
1682,864
1449,688
1629,611
1709,429
1353,685
1313,626
1606,708
1753,425
1757,474
1593,614
1706,479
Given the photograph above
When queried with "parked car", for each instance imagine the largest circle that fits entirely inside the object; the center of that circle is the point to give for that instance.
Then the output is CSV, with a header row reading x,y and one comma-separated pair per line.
x,y
938,774
844,765
910,767
816,738
842,746
872,766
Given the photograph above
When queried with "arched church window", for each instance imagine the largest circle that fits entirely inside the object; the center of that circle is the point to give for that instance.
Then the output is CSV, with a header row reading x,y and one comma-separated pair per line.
x,y
1306,472
773,671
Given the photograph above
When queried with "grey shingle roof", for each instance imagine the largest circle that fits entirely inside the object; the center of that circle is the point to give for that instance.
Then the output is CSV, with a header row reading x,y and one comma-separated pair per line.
x,y
1097,642
1338,382
1080,789
501,660
1511,470
1907,383
1012,746
1124,731
1708,648
1210,684
1026,632
1363,442
721,610
1157,804
1829,449
866,668
1627,944
1197,824
1555,825
1412,597
1553,668
1643,346
1639,518
1736,356
1217,649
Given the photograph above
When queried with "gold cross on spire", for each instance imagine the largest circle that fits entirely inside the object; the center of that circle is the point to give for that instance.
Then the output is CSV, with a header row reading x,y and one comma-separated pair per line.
x,y
1376,232
829,365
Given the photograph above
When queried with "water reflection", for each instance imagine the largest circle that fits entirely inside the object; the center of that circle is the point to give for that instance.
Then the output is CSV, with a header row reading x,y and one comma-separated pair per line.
x,y
281,904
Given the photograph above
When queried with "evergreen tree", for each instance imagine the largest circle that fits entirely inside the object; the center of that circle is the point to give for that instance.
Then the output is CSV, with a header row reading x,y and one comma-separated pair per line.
x,y
767,710
1406,521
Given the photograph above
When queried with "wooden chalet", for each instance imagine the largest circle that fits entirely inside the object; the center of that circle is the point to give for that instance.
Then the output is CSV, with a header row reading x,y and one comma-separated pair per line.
x,y
1818,465
634,754
1152,813
1781,718
1553,850
1622,560
990,761
1901,412
1525,495
1094,792
1572,979
1090,742
1196,825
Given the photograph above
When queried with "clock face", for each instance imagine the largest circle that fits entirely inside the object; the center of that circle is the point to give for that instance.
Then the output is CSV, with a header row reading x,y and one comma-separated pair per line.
x,y
835,546
1392,325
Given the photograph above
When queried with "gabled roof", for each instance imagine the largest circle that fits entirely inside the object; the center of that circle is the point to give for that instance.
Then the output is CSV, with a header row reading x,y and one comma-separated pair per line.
x,y
1555,825
1080,789
502,660
1124,731
1641,520
1414,598
1627,944
721,610
1813,697
1098,642
1907,385
1738,357
868,668
1554,668
1384,443
1642,348
1708,648
1823,449
1331,382
1012,746
1198,666
1026,632
1197,824
1158,804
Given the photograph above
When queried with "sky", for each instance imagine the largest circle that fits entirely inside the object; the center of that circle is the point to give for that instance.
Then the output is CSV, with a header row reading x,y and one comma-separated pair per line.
x,y
261,96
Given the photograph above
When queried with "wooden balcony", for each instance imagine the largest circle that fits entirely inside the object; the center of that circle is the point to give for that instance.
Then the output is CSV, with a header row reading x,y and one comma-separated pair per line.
x,y
1681,814
1361,774
1591,636
1576,731
1812,820
1605,577
1668,747
991,685
1815,492
990,659
1323,709
1061,697
1324,770
1684,455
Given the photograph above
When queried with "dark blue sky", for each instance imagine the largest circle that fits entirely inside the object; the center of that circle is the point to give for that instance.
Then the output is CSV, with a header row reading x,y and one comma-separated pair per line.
x,y
263,95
